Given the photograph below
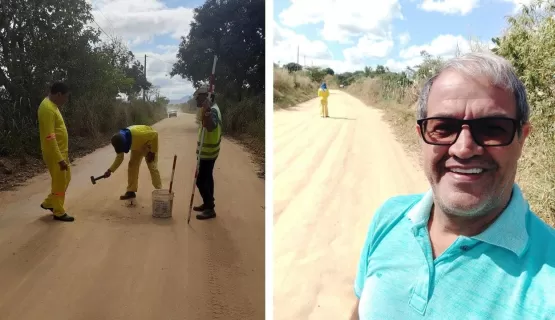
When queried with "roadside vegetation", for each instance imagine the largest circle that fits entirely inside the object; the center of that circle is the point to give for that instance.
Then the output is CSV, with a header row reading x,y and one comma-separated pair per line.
x,y
39,47
294,84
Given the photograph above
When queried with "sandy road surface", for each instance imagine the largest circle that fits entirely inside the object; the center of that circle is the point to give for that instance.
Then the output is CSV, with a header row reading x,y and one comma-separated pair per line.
x,y
116,262
329,177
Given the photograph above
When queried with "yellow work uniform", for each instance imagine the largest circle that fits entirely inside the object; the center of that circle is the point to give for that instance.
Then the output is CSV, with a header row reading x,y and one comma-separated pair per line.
x,y
212,139
324,94
54,147
144,139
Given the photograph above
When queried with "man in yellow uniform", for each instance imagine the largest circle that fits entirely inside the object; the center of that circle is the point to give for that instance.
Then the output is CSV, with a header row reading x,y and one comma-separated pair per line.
x,y
212,122
142,141
54,147
324,93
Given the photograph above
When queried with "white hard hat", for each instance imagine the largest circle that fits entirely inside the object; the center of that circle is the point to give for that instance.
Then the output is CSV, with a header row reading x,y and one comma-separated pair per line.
x,y
202,89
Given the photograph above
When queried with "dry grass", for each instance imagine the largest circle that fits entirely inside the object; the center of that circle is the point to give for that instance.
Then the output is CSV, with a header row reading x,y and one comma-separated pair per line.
x,y
291,89
535,173
245,123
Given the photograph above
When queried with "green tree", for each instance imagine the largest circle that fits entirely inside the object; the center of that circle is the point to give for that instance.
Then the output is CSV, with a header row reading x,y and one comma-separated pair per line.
x,y
316,74
234,31
293,66
329,71
43,41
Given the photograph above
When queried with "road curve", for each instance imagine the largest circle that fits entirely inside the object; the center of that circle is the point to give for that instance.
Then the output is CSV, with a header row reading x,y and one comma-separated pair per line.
x,y
116,262
329,177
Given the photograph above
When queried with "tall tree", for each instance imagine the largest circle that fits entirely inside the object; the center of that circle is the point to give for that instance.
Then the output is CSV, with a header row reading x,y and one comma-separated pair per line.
x,y
233,30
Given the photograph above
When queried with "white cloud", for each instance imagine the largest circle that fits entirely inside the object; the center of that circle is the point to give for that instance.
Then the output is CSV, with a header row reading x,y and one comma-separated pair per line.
x,y
369,46
158,68
312,52
401,65
345,19
444,45
404,38
140,21
338,66
286,42
461,7
518,4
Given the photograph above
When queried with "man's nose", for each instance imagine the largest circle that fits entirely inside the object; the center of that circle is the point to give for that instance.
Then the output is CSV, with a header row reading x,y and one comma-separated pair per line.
x,y
465,147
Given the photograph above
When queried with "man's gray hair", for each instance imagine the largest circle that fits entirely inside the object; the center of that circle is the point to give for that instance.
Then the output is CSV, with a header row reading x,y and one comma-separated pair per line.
x,y
496,68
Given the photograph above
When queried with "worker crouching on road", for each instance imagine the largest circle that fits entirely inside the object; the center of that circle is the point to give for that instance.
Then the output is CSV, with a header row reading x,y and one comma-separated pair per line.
x,y
142,141
54,147
211,120
324,93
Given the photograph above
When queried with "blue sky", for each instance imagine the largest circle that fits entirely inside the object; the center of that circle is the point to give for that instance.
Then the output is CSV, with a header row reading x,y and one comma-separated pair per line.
x,y
151,27
350,34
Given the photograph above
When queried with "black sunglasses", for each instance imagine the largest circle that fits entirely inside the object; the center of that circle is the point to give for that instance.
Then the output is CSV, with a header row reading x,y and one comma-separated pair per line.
x,y
486,132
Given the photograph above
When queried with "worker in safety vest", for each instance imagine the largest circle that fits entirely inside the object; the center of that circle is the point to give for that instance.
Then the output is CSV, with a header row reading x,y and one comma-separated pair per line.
x,y
142,141
54,146
212,122
323,93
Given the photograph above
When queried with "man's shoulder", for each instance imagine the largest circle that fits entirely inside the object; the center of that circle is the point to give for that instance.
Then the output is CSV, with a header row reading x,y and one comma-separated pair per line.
x,y
45,104
541,234
394,208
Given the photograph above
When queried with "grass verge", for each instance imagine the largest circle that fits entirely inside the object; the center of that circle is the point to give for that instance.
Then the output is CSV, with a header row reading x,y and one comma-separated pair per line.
x,y
293,88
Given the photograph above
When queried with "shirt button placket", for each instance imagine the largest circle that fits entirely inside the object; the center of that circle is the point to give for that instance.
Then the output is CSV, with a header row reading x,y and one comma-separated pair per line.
x,y
419,297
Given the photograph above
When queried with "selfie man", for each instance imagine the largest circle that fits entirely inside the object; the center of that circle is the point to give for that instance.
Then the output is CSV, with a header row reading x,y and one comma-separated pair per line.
x,y
469,248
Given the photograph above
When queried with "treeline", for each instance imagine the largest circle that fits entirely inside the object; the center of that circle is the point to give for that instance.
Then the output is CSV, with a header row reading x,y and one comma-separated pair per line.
x,y
233,30
44,41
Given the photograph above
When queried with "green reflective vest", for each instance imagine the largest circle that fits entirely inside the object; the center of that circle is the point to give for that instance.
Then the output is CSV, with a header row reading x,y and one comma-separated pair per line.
x,y
211,144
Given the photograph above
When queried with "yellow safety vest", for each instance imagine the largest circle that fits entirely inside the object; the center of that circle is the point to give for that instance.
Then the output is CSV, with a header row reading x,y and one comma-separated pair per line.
x,y
211,144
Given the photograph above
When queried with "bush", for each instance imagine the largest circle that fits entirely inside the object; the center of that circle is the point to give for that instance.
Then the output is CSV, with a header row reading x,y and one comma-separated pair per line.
x,y
292,88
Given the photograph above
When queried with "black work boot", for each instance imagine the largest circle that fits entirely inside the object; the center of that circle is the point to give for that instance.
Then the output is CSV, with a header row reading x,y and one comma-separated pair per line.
x,y
128,195
45,208
206,214
200,208
65,217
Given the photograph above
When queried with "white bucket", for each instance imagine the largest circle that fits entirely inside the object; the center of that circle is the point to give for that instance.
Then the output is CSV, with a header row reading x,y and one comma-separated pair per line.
x,y
162,203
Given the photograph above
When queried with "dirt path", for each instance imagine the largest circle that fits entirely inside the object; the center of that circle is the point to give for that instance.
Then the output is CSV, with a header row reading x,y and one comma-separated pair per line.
x,y
116,262
329,177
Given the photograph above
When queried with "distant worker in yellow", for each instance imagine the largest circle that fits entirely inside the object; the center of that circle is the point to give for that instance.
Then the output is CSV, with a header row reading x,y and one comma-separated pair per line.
x,y
324,93
142,141
212,122
54,147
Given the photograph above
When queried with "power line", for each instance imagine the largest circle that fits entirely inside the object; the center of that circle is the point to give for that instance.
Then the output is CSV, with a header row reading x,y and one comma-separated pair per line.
x,y
99,27
170,63
109,21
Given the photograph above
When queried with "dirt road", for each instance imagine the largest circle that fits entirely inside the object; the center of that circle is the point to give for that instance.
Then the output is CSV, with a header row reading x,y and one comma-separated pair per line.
x,y
116,262
329,177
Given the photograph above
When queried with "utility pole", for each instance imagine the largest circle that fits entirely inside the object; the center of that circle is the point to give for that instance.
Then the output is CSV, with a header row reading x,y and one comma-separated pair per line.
x,y
297,54
144,89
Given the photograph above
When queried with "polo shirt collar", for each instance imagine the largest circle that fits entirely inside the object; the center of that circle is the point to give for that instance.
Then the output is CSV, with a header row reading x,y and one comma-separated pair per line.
x,y
507,231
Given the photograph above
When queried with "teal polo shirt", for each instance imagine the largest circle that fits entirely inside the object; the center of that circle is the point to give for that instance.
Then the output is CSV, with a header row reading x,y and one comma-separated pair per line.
x,y
506,272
